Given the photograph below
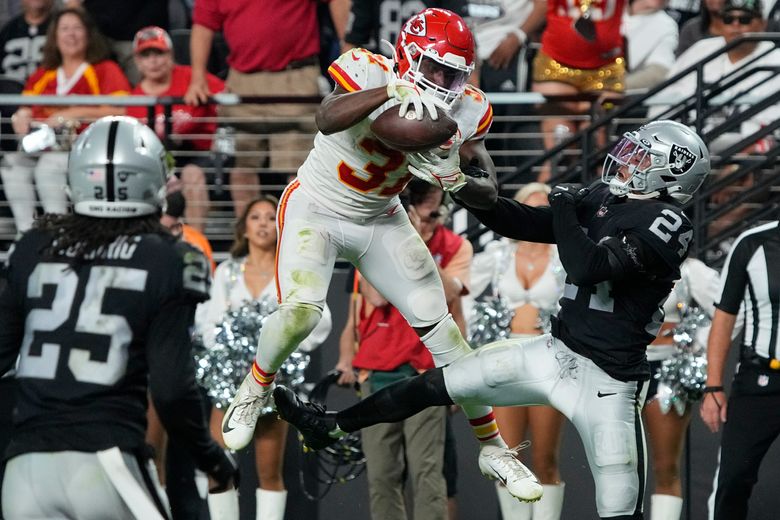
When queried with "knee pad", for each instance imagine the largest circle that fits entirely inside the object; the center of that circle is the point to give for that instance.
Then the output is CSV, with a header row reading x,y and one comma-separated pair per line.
x,y
445,342
615,468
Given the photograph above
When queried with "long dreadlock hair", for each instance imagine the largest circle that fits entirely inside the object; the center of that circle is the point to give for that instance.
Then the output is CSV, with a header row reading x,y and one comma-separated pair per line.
x,y
80,235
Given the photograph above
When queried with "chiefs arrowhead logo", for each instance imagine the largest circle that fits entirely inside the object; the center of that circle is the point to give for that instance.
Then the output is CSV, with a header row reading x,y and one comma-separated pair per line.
x,y
416,26
681,159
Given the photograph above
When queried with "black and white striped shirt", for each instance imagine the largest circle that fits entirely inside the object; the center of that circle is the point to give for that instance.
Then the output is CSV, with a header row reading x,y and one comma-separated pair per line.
x,y
751,276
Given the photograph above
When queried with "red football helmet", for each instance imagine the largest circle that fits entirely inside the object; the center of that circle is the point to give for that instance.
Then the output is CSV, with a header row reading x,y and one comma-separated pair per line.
x,y
435,50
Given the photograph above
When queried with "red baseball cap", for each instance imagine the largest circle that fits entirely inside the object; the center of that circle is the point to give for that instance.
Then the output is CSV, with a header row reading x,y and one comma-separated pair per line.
x,y
152,37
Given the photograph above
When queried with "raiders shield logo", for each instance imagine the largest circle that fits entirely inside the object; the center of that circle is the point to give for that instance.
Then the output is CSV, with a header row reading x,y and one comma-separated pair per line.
x,y
416,26
681,159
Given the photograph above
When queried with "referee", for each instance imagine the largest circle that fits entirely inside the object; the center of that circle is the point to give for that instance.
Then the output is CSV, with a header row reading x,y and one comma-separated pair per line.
x,y
751,275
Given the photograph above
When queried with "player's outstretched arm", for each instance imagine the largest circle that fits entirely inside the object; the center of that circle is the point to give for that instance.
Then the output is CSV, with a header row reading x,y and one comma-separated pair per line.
x,y
589,263
175,392
504,216
341,109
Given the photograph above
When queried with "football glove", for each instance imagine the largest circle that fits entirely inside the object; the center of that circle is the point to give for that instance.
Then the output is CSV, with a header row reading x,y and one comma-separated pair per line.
x,y
567,193
443,172
407,93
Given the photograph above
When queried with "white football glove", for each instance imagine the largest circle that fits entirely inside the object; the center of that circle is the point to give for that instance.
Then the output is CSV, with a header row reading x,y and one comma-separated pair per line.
x,y
443,172
409,94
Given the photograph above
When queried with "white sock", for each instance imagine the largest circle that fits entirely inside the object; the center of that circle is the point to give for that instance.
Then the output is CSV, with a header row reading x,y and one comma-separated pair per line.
x,y
270,504
223,506
551,504
665,507
446,344
511,508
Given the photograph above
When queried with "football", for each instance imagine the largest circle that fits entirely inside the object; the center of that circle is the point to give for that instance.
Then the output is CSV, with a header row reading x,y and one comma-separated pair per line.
x,y
408,134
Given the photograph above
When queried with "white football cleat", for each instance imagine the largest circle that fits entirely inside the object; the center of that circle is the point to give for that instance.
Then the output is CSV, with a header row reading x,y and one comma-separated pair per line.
x,y
502,464
238,426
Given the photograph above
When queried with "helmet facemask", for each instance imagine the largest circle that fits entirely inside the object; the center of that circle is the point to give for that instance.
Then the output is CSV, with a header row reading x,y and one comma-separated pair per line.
x,y
628,166
443,77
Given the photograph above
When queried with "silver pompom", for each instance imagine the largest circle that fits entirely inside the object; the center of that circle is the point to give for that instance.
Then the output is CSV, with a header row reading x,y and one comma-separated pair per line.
x,y
681,378
221,368
489,321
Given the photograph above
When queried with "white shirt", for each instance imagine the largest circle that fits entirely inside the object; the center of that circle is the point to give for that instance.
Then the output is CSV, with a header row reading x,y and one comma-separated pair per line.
x,y
492,20
718,68
652,39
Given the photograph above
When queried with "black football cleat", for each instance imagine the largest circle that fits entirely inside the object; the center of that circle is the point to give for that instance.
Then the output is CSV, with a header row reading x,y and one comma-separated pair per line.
x,y
314,423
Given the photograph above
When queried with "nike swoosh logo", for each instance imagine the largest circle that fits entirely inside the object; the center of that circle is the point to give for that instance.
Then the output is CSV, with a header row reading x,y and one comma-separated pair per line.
x,y
606,395
226,423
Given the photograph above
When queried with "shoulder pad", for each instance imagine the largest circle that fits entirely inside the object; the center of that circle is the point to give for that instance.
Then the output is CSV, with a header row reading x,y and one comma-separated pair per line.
x,y
359,69
475,96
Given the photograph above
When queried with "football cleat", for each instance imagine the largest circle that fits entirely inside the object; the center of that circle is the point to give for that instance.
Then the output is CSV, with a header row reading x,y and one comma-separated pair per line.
x,y
238,425
314,423
502,464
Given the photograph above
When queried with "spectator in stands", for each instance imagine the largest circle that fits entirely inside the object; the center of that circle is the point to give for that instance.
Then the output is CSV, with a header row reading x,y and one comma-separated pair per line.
x,y
374,21
372,325
119,20
739,17
22,39
707,25
74,62
530,277
501,31
161,76
274,49
582,51
249,276
651,37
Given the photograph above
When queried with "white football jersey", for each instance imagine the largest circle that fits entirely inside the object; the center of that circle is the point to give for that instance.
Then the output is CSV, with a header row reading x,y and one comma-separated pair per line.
x,y
351,172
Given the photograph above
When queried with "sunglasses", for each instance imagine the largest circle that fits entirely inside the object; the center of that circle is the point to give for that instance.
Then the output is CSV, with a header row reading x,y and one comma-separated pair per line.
x,y
744,19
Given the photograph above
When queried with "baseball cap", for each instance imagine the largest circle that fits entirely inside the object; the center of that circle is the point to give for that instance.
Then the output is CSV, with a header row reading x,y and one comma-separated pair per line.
x,y
152,37
753,7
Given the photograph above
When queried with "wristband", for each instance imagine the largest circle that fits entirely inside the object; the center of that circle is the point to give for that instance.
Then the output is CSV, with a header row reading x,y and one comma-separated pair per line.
x,y
521,35
712,389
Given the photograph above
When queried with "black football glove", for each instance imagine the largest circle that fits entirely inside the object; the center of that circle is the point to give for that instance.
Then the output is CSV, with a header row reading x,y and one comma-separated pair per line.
x,y
224,473
567,194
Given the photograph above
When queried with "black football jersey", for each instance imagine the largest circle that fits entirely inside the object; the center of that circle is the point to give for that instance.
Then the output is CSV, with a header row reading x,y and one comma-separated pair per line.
x,y
613,321
83,334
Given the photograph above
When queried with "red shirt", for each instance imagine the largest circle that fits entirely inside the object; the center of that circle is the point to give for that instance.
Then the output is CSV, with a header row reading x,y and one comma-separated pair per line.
x,y
387,341
185,117
562,43
104,77
262,35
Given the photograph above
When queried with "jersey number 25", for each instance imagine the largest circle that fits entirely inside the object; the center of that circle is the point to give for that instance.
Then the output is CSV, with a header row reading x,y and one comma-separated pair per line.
x,y
90,320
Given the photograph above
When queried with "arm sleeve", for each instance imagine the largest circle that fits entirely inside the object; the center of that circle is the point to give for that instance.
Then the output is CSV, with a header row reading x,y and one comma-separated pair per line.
x,y
216,306
513,220
734,278
172,383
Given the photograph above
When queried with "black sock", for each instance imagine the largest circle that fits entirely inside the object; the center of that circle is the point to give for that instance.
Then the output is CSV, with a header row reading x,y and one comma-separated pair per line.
x,y
397,401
